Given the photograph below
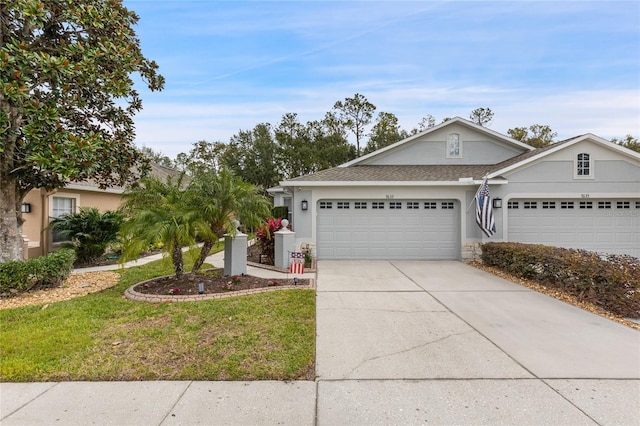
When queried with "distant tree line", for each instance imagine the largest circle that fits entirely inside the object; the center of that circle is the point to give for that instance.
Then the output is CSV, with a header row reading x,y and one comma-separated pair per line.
x,y
267,154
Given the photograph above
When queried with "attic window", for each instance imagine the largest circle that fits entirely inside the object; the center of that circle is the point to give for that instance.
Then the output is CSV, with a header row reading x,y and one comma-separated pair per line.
x,y
454,146
584,168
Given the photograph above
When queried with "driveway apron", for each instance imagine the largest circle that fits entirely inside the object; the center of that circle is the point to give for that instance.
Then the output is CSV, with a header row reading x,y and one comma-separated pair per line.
x,y
443,342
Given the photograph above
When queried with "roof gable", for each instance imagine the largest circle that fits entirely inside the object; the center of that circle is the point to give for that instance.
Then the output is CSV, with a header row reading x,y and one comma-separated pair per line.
x,y
528,158
479,145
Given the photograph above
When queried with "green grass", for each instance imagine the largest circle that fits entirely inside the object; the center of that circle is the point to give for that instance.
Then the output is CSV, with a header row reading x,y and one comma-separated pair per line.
x,y
103,336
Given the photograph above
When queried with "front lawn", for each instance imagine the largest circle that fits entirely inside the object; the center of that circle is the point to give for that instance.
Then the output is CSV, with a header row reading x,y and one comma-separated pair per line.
x,y
103,336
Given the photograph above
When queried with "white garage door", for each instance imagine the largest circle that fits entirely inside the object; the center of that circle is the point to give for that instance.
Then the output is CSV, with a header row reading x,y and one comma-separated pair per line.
x,y
606,226
388,229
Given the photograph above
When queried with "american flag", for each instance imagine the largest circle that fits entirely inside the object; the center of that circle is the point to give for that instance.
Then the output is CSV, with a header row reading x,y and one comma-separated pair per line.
x,y
296,263
484,210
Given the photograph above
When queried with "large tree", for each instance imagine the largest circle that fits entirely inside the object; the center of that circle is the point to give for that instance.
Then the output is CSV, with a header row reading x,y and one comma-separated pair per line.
x,y
481,116
628,142
356,113
66,100
385,132
536,135
254,156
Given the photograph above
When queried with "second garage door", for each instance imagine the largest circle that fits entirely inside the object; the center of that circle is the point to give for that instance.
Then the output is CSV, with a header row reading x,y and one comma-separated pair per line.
x,y
388,229
606,226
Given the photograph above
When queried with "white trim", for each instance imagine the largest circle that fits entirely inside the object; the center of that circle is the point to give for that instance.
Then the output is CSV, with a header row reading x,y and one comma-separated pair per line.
x,y
447,148
588,136
376,183
78,187
591,167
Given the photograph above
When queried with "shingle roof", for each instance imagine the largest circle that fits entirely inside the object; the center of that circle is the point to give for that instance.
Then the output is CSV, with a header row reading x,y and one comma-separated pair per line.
x,y
417,173
397,173
156,170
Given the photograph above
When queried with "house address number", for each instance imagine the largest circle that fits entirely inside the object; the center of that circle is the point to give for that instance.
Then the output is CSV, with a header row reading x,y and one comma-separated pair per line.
x,y
585,195
389,196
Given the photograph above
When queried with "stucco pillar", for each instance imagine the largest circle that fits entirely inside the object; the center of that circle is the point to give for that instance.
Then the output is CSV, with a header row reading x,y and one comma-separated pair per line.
x,y
285,243
235,253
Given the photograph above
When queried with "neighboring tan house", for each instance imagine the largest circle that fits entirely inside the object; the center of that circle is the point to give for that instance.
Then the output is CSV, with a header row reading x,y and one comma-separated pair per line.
x,y
415,199
41,206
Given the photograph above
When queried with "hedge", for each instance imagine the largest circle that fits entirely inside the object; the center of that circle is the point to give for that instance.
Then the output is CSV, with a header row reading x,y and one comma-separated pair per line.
x,y
45,271
611,282
280,212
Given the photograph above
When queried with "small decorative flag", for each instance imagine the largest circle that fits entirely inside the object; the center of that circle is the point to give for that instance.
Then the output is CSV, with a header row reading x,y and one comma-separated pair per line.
x,y
484,210
296,263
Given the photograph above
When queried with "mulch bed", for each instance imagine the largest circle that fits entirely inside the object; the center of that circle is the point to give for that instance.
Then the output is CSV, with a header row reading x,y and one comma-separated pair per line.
x,y
214,282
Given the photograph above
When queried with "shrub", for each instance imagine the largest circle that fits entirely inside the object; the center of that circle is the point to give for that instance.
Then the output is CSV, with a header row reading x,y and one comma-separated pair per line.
x,y
89,232
45,271
611,282
265,236
280,212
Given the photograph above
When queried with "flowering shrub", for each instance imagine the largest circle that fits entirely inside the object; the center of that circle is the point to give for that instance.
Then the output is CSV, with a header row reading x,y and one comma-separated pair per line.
x,y
265,236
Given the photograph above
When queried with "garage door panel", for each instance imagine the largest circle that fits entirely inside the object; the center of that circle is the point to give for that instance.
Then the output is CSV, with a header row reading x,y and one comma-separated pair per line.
x,y
597,229
389,233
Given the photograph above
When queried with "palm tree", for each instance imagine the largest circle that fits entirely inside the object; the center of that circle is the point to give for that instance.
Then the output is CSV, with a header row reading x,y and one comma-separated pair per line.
x,y
157,213
219,198
89,231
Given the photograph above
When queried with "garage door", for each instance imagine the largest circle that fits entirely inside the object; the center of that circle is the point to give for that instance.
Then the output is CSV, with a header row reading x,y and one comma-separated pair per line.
x,y
607,226
387,230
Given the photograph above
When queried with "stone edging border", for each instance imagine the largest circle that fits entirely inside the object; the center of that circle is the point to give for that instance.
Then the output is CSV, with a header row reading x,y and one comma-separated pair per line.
x,y
161,298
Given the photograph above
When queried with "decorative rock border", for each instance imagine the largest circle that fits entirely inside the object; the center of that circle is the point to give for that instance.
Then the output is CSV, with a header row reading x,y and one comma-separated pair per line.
x,y
131,294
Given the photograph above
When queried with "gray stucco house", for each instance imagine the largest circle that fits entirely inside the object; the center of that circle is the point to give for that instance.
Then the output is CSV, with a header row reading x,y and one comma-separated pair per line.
x,y
415,199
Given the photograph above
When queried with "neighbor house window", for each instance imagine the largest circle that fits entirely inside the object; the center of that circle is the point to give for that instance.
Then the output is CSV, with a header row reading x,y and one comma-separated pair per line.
x,y
61,206
454,146
583,165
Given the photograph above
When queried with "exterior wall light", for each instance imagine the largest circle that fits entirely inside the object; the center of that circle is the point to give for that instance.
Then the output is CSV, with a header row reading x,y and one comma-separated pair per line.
x,y
497,203
304,205
26,208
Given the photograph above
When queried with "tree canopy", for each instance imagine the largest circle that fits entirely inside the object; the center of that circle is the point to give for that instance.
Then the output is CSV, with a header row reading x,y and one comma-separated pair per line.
x,y
67,100
536,135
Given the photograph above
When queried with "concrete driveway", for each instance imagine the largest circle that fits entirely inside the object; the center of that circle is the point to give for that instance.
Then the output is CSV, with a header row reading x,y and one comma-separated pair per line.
x,y
398,343
442,342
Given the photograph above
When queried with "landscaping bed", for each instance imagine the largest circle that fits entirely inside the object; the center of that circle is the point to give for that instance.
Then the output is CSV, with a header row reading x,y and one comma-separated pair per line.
x,y
213,281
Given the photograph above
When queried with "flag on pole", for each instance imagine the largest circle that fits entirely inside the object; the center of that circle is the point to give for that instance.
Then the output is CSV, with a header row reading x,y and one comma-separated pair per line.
x,y
484,210
296,263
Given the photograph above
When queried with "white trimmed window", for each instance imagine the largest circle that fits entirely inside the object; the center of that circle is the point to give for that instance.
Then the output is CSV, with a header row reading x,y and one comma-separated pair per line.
x,y
584,166
454,145
61,206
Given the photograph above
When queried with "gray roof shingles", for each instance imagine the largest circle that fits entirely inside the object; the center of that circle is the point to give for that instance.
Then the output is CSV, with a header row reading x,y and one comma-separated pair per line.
x,y
415,173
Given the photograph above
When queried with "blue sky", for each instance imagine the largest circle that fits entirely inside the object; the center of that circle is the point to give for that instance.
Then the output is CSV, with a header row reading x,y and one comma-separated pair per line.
x,y
230,65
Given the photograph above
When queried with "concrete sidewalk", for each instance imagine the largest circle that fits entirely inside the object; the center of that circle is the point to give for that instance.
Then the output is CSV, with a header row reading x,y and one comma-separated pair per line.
x,y
397,343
